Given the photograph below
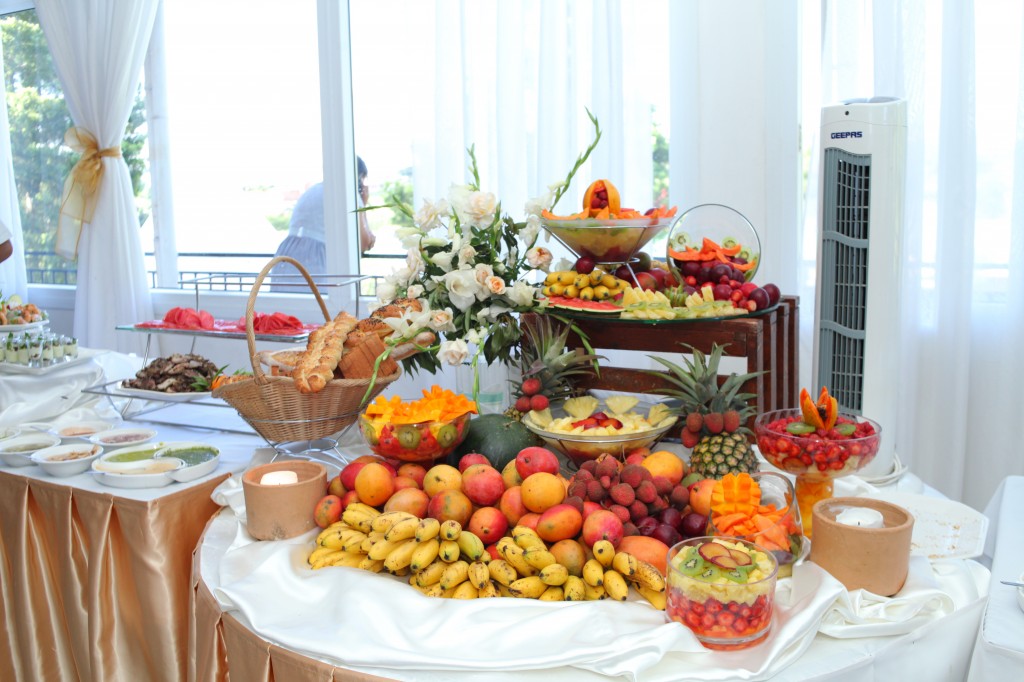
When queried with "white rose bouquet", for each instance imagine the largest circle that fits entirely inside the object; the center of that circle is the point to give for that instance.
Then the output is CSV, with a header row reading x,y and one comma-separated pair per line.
x,y
467,265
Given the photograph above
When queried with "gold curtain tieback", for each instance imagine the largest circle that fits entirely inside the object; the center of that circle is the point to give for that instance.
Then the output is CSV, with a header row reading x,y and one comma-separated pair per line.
x,y
79,201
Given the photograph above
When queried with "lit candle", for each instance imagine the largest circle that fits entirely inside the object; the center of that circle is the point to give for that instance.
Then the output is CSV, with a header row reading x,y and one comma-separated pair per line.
x,y
864,517
279,478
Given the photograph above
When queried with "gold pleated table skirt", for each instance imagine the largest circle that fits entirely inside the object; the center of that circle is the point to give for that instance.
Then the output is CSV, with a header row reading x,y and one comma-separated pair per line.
x,y
94,586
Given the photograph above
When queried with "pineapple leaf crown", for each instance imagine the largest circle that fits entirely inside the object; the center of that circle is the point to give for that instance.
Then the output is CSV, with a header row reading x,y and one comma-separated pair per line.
x,y
696,384
544,356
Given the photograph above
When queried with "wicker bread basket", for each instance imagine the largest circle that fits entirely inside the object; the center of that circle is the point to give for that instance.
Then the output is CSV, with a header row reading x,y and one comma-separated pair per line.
x,y
275,408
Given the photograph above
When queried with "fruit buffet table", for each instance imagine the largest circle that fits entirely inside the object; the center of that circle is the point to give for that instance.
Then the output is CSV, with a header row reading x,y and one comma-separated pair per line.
x,y
1000,647
94,580
262,614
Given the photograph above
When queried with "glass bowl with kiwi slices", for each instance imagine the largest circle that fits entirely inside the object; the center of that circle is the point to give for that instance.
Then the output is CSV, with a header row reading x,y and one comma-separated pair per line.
x,y
421,442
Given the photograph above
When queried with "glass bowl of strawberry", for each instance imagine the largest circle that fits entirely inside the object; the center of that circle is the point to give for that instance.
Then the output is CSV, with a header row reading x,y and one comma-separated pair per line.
x,y
723,590
426,441
816,456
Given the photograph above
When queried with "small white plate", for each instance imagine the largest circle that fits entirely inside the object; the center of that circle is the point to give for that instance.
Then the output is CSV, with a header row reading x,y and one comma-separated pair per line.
x,y
70,467
120,437
24,458
84,355
190,472
129,480
943,529
161,395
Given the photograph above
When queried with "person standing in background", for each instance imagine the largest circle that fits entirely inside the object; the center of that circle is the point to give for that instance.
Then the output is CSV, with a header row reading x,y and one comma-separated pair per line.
x,y
7,248
305,240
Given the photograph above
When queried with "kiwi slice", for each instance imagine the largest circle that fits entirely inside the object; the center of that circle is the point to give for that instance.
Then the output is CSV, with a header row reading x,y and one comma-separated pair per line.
x,y
736,575
846,429
745,254
408,436
710,573
729,242
692,564
447,435
799,428
370,434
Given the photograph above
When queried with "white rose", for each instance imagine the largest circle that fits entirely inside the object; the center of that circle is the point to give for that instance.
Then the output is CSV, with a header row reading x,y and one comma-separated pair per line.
x,y
414,291
496,285
539,257
429,215
462,288
453,352
441,320
521,294
472,207
466,254
386,291
482,271
443,260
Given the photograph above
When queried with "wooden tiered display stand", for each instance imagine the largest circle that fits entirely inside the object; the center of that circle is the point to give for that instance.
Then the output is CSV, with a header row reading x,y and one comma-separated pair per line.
x,y
769,342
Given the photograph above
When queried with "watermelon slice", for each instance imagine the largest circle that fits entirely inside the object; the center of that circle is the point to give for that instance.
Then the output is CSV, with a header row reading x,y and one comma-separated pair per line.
x,y
601,307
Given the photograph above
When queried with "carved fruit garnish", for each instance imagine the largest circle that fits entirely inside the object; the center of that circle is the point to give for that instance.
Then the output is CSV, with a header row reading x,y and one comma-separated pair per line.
x,y
741,558
725,561
821,414
601,195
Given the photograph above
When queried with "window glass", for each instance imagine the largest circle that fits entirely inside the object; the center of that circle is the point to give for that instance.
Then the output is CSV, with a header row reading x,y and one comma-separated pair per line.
x,y
243,94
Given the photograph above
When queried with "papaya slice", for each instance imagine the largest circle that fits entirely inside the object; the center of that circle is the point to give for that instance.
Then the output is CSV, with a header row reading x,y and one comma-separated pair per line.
x,y
821,414
602,194
810,410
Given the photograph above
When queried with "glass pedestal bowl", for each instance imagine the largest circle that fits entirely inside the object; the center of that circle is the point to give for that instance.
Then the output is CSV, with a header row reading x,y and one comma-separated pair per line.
x,y
817,458
423,442
606,241
727,228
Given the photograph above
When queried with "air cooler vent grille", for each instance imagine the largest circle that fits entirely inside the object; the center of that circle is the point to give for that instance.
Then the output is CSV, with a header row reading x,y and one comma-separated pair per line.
x,y
844,263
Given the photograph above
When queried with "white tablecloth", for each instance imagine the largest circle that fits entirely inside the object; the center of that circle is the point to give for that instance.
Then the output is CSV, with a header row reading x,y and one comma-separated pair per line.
x,y
999,652
236,571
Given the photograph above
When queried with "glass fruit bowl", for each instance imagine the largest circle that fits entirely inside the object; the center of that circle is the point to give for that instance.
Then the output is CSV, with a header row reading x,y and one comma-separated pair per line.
x,y
723,590
422,442
817,458
689,254
606,241
782,536
579,447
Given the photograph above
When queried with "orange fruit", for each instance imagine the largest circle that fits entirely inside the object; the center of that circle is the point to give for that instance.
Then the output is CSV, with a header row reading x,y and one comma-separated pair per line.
x,y
374,484
541,491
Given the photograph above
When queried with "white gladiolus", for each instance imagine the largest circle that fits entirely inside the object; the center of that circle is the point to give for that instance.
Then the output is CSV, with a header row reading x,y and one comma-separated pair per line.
x,y
443,260
386,291
414,291
529,232
462,288
429,216
466,255
453,352
520,293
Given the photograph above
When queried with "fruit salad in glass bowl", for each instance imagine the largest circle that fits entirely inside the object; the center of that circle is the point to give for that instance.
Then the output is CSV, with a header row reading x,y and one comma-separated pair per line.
x,y
421,430
582,429
817,444
723,590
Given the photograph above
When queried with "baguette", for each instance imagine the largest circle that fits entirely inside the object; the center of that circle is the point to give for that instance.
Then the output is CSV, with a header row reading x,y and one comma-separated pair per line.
x,y
323,351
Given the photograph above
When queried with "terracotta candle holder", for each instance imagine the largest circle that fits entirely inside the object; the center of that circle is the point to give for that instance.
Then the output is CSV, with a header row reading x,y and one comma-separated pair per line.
x,y
278,512
874,559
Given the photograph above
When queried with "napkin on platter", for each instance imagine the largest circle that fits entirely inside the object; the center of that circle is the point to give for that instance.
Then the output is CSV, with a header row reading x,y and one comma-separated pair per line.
x,y
930,592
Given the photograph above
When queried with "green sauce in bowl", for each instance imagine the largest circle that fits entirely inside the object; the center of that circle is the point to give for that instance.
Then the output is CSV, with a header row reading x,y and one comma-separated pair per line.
x,y
134,455
192,455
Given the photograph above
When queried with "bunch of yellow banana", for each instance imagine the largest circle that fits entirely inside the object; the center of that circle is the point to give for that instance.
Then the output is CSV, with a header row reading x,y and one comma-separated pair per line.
x,y
597,285
443,560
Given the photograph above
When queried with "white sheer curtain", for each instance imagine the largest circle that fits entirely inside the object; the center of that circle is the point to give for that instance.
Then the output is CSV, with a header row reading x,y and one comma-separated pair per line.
x,y
960,66
515,79
12,270
98,48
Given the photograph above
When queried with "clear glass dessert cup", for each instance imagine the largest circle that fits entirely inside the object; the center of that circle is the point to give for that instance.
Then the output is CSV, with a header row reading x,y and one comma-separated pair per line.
x,y
726,603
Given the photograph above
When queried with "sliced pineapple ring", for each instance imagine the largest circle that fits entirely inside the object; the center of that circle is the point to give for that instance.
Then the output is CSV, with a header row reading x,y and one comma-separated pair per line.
x,y
541,418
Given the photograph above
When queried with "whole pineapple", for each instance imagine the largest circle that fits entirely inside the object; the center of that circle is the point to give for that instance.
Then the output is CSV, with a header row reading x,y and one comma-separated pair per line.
x,y
714,415
547,366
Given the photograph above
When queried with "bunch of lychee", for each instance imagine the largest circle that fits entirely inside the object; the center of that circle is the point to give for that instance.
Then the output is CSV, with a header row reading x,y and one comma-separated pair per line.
x,y
699,424
632,493
531,397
